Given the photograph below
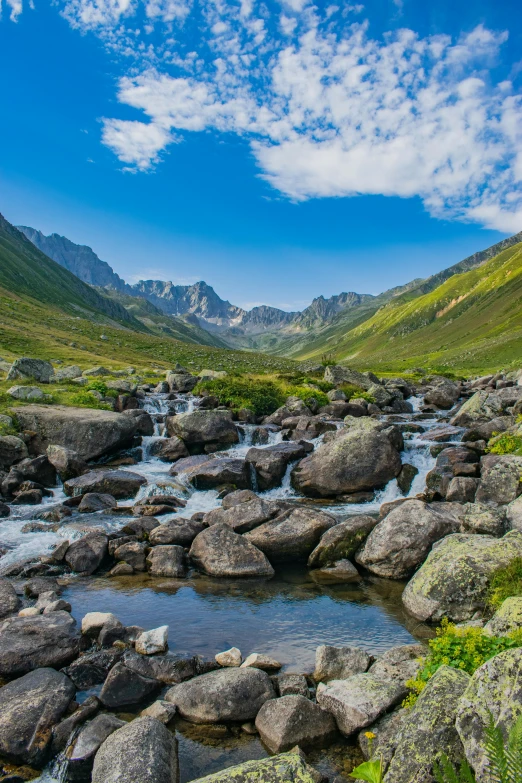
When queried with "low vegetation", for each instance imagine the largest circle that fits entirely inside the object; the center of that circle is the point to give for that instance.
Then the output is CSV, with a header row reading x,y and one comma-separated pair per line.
x,y
506,443
505,583
461,648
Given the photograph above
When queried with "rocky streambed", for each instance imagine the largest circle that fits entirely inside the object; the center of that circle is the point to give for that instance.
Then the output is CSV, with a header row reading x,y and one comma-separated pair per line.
x,y
193,531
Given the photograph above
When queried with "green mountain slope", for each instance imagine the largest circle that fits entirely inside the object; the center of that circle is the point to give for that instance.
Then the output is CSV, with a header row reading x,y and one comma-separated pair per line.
x,y
472,321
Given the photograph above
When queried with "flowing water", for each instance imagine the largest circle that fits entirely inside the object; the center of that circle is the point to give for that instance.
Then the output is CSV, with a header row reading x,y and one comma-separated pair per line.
x,y
287,616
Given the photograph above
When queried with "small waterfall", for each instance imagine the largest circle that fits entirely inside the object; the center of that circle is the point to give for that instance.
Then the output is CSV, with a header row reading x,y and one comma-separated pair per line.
x,y
253,477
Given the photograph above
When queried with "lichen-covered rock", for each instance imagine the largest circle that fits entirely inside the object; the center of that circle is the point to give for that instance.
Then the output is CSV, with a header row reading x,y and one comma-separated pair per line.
x,y
38,369
358,701
143,751
429,729
284,768
473,411
454,580
243,517
12,449
506,619
484,519
403,539
514,514
28,643
495,689
341,541
338,663
294,720
292,535
500,478
218,551
399,664
232,694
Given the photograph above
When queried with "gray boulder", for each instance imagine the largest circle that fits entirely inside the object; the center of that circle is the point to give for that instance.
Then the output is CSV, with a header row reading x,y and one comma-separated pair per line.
x,y
86,554
444,395
357,701
118,483
143,751
67,373
166,561
124,686
399,664
429,729
181,382
203,431
514,514
232,694
29,708
96,501
28,643
218,551
339,375
243,517
403,539
500,478
270,464
507,618
217,472
68,463
176,531
169,449
36,369
354,460
87,743
12,449
167,669
484,519
9,601
494,689
294,720
92,668
454,580
338,663
292,535
88,432
133,553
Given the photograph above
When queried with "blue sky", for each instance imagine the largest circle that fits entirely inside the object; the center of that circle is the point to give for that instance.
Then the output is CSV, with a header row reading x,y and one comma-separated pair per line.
x,y
276,150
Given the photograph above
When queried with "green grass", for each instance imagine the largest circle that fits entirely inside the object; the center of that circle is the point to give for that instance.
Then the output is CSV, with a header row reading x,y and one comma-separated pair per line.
x,y
506,443
505,583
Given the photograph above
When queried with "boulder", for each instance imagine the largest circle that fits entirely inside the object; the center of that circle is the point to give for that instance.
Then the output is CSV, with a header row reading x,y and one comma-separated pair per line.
x,y
118,483
29,708
292,684
203,431
514,514
63,730
88,432
9,601
112,631
237,497
270,464
133,553
385,731
92,668
338,663
495,689
87,743
96,501
230,657
243,517
153,642
341,541
340,572
67,463
37,370
28,643
261,661
444,395
453,582
403,539
218,551
292,535
176,531
278,769
124,687
354,460
166,560
169,449
142,751
473,411
399,664
67,373
93,622
26,393
429,729
86,554
167,669
310,427
181,382
161,710
461,489
480,518
507,618
217,472
12,450
294,720
339,376
500,478
357,701
233,694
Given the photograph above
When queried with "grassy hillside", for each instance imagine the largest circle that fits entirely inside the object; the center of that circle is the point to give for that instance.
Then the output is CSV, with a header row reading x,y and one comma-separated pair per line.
x,y
472,322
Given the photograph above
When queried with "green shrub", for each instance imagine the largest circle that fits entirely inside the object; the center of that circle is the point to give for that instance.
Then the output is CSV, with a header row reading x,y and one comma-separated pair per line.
x,y
306,394
98,386
355,391
505,582
86,399
261,397
461,648
506,443
328,360
5,429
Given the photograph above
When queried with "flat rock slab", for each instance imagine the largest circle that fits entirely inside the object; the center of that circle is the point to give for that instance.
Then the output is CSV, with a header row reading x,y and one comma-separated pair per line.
x,y
118,483
143,751
357,701
28,643
221,696
29,708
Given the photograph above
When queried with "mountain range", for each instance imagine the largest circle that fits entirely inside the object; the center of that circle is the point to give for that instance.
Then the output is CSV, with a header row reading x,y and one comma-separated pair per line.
x,y
467,314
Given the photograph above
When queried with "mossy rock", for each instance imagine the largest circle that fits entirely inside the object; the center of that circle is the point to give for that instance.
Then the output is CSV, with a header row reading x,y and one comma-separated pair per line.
x,y
285,768
506,619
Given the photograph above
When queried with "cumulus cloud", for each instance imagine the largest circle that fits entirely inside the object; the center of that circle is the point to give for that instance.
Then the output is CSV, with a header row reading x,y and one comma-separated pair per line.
x,y
328,110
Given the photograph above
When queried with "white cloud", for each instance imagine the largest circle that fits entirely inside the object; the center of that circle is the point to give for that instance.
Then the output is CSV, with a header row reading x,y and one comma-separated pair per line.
x,y
327,110
16,9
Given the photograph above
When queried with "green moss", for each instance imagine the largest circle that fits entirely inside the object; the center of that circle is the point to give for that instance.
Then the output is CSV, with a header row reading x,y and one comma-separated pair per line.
x,y
465,649
505,583
505,443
